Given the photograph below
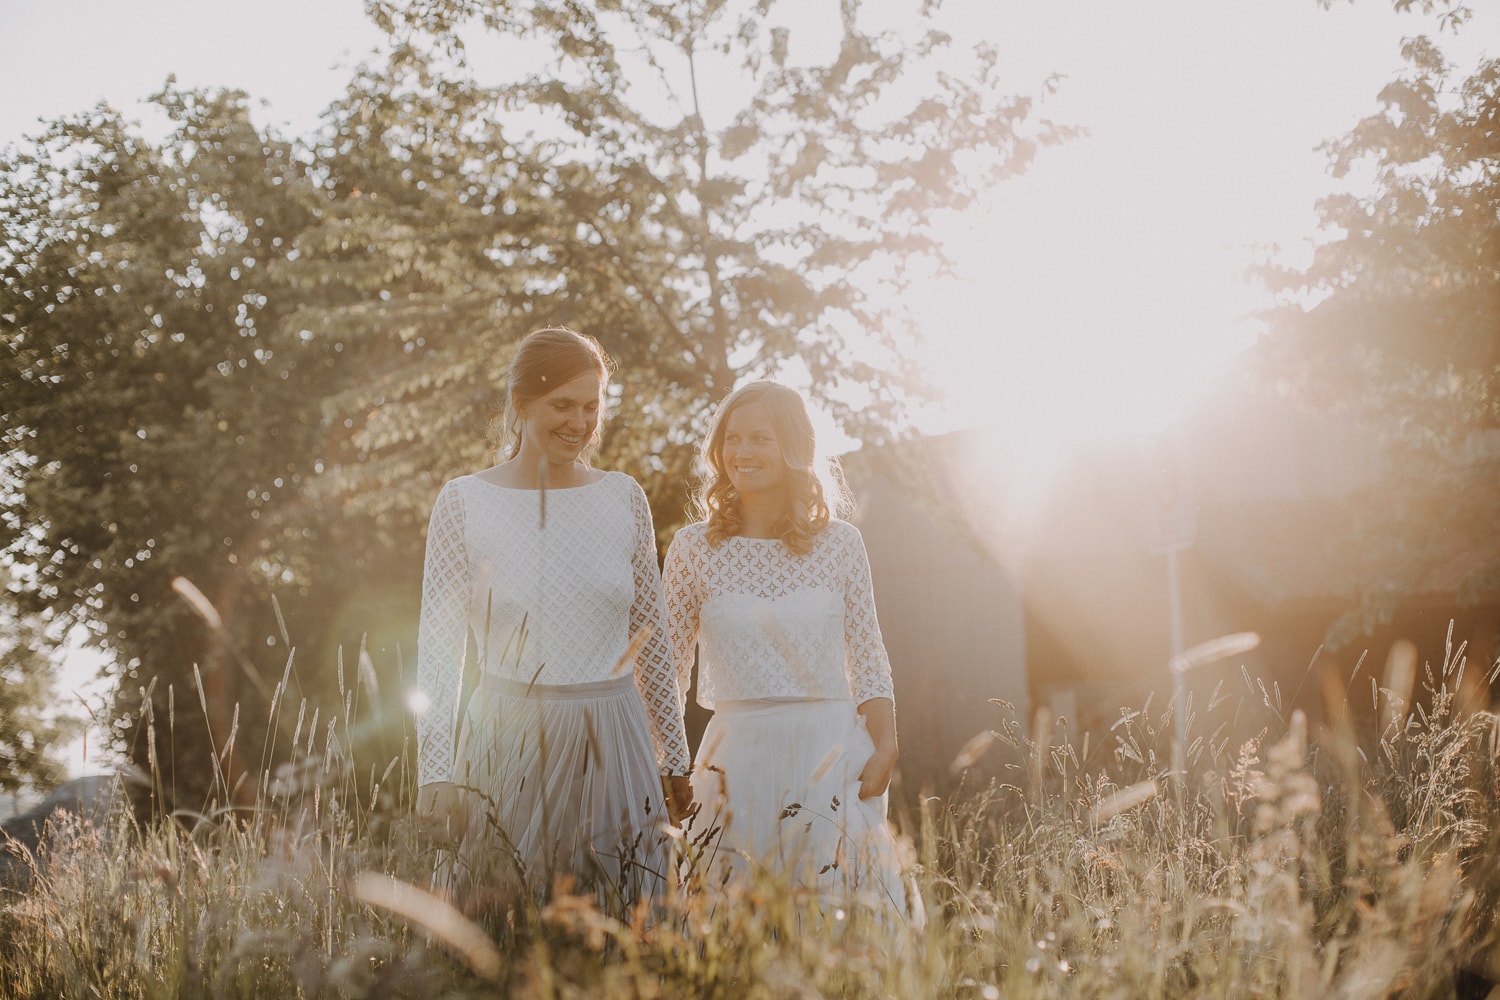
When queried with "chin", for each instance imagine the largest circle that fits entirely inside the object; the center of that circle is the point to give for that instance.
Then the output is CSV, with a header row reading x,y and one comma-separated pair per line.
x,y
561,453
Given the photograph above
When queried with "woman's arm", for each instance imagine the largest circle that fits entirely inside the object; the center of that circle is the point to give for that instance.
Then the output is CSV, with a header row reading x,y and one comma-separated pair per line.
x,y
868,668
678,583
682,631
655,671
442,637
880,722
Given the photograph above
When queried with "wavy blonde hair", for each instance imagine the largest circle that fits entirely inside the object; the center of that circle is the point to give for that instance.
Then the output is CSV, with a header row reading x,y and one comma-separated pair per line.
x,y
545,359
817,491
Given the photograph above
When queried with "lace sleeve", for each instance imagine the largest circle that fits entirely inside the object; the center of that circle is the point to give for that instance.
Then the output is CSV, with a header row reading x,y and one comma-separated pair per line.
x,y
442,635
654,670
867,664
682,611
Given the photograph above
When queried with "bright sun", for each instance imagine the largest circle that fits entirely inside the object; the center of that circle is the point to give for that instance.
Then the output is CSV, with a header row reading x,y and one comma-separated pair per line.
x,y
1080,317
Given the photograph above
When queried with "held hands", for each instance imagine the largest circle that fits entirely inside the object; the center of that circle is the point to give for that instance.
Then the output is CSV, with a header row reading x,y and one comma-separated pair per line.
x,y
679,791
441,812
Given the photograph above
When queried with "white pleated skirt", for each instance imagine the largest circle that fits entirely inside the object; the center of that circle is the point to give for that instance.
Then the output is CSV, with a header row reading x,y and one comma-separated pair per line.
x,y
781,779
562,781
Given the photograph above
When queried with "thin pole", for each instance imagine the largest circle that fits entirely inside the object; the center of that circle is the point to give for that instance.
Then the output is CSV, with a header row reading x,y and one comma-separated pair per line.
x,y
1179,682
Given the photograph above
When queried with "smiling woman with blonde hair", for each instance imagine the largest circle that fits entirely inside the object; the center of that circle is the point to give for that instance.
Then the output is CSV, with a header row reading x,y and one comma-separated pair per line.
x,y
772,591
815,488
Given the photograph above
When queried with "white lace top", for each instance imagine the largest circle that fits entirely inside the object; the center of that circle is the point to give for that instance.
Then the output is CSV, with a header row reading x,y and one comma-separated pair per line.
x,y
769,623
578,566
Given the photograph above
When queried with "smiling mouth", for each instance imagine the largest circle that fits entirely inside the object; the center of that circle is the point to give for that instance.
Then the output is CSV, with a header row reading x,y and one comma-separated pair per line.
x,y
569,440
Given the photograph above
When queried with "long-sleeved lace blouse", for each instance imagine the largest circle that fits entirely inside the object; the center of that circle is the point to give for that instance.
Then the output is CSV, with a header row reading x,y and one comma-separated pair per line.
x,y
769,623
577,566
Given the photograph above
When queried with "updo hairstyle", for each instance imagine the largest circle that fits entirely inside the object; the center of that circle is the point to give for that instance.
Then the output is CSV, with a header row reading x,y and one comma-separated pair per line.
x,y
544,360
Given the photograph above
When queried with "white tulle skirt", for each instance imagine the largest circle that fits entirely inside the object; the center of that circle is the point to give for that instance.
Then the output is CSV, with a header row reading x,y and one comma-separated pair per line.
x,y
562,781
781,779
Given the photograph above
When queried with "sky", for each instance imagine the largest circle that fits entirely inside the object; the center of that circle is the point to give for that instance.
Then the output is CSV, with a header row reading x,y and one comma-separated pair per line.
x,y
1104,289
1096,294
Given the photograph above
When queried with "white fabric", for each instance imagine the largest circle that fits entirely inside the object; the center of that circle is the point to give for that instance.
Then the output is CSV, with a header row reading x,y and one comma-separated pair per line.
x,y
550,588
782,781
562,781
787,646
768,623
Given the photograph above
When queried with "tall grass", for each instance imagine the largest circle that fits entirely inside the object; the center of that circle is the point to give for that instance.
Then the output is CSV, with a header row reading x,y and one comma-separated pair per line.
x,y
1359,858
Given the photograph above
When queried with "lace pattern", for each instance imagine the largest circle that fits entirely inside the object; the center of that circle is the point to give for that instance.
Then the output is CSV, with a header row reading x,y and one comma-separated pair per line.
x,y
555,599
768,623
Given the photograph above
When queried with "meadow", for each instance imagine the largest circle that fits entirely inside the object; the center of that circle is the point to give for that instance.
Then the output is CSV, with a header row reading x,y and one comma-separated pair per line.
x,y
1353,858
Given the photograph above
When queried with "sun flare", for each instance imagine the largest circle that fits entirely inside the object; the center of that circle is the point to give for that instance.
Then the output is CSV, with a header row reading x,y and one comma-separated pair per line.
x,y
1077,321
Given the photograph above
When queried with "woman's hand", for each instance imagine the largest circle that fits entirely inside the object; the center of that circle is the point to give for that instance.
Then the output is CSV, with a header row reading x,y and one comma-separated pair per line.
x,y
441,811
880,722
875,777
679,798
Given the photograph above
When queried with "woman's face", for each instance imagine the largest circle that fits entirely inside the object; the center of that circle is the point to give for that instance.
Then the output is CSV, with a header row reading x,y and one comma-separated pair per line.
x,y
752,454
558,426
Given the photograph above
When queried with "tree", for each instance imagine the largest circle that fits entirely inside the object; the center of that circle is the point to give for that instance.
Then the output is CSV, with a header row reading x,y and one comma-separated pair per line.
x,y
247,362
1399,317
668,177
31,732
166,422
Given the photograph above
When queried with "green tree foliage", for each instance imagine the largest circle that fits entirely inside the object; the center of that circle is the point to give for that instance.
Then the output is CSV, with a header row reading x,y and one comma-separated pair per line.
x,y
248,362
167,422
31,730
1404,325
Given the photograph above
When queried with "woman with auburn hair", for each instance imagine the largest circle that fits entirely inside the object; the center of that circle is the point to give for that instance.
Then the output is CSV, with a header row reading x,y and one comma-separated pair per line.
x,y
541,573
773,591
